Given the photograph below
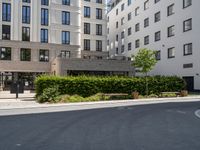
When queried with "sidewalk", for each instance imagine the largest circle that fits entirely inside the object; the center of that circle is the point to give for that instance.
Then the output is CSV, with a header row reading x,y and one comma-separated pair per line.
x,y
27,101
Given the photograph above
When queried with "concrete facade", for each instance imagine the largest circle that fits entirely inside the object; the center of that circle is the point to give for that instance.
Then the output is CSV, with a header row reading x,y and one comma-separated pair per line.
x,y
171,15
36,34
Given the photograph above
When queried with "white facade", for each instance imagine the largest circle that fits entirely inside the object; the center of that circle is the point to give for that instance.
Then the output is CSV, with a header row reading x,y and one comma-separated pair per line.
x,y
55,26
172,14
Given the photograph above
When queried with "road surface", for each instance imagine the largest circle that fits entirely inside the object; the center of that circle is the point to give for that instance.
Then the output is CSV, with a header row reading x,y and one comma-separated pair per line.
x,y
171,126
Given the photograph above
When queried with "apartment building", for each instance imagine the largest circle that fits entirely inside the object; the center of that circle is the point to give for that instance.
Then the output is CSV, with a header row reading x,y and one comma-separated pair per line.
x,y
58,37
171,27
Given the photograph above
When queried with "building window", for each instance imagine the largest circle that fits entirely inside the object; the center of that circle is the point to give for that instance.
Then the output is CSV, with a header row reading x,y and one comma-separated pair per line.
x,y
137,11
122,49
137,43
129,46
146,40
137,27
5,53
44,55
86,28
65,54
129,16
117,24
65,18
122,21
158,55
99,1
170,31
122,35
98,45
157,36
187,49
86,44
44,17
26,14
129,31
170,10
98,29
6,12
187,3
98,13
146,22
45,2
187,25
146,4
25,34
26,1
122,7
171,52
86,12
157,17
65,37
44,36
66,2
129,2
5,32
117,50
117,37
25,54
117,11
156,1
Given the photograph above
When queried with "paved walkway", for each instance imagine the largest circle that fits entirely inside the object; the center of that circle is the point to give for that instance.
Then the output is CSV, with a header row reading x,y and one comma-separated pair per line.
x,y
27,100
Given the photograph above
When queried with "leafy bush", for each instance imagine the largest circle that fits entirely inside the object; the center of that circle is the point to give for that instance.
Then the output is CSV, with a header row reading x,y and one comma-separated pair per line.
x,y
49,94
86,86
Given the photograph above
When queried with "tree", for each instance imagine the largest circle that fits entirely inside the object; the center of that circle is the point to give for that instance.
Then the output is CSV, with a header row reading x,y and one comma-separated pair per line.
x,y
145,61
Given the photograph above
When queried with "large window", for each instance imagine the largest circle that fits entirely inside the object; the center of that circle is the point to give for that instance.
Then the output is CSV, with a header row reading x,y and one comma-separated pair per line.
x,y
26,14
187,3
86,12
170,31
187,49
5,32
65,37
6,12
171,52
45,2
5,53
25,54
44,55
65,54
98,45
86,28
86,44
98,13
187,25
66,2
66,18
44,36
44,16
98,29
25,34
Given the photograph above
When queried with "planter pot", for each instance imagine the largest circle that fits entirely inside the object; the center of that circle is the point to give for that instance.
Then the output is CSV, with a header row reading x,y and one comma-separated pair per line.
x,y
184,93
135,95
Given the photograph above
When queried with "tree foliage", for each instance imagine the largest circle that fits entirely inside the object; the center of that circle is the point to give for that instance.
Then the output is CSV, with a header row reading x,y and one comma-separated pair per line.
x,y
144,60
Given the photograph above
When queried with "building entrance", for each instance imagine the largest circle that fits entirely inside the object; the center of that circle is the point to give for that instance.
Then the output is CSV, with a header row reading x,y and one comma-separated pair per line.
x,y
27,78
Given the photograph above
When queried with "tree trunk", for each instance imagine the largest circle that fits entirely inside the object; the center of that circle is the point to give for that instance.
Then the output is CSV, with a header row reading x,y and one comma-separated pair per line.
x,y
146,81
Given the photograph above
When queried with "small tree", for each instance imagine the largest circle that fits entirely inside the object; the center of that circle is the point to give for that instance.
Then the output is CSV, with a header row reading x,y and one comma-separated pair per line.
x,y
144,60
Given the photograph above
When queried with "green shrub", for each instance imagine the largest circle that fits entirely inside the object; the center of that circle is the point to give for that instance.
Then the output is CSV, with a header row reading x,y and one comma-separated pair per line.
x,y
48,95
86,86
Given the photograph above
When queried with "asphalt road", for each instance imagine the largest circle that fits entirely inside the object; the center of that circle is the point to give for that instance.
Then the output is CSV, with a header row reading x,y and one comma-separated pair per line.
x,y
171,126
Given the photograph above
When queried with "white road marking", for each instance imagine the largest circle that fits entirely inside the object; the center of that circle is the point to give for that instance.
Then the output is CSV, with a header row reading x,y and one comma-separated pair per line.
x,y
197,113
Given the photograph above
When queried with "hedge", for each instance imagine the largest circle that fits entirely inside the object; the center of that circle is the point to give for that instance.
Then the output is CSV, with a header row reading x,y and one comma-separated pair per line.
x,y
90,85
